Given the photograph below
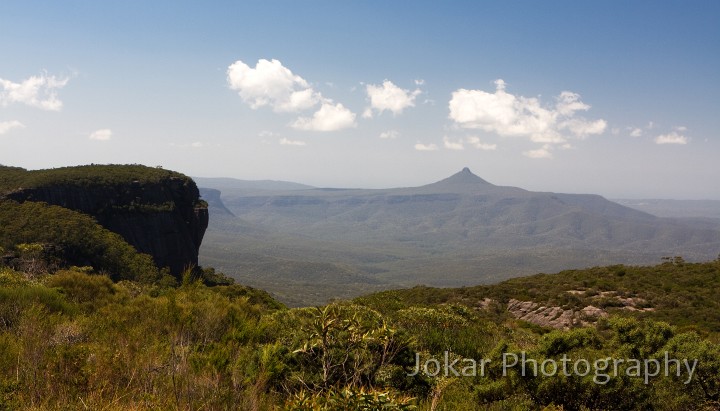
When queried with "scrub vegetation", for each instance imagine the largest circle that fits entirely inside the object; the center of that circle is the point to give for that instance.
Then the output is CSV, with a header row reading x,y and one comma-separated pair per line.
x,y
76,339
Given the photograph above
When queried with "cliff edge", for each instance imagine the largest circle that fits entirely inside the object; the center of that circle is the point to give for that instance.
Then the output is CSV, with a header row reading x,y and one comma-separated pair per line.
x,y
157,211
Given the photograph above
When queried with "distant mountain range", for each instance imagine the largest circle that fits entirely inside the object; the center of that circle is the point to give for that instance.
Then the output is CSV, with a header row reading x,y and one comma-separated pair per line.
x,y
233,185
458,231
675,208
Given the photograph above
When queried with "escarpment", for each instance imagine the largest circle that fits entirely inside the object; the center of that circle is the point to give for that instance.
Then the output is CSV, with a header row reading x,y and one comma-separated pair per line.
x,y
157,211
215,203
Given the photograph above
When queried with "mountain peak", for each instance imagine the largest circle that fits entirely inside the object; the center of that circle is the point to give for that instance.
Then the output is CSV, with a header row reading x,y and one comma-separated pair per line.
x,y
464,176
459,182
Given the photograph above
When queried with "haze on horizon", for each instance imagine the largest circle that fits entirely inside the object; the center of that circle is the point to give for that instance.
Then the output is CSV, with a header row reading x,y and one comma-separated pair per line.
x,y
614,98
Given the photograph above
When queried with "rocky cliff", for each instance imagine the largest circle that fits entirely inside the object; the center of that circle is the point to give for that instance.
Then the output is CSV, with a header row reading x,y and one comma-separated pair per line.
x,y
215,203
157,211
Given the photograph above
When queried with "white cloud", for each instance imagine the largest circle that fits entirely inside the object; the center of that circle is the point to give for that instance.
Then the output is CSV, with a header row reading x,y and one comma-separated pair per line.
x,y
582,128
274,85
390,134
271,84
36,91
508,115
475,142
425,147
543,152
286,142
330,117
671,138
197,144
389,97
568,103
266,133
640,131
101,135
419,82
6,126
635,132
452,145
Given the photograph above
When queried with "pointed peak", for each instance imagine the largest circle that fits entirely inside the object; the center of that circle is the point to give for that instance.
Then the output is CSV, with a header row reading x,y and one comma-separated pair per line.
x,y
464,179
465,176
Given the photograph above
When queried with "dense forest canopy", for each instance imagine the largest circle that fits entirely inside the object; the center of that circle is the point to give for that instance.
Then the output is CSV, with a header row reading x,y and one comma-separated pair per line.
x,y
15,177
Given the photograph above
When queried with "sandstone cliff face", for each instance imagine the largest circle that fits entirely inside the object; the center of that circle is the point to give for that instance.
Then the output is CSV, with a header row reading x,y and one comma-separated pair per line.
x,y
165,219
212,196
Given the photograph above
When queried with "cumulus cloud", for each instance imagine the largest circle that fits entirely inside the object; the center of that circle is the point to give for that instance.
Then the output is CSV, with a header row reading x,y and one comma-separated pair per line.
x,y
36,91
673,137
330,117
508,115
543,152
104,134
425,147
271,84
390,134
287,142
389,97
6,126
453,145
475,142
274,85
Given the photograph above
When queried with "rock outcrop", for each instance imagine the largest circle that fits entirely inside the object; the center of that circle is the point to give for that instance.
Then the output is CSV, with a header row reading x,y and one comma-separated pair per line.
x,y
554,317
162,216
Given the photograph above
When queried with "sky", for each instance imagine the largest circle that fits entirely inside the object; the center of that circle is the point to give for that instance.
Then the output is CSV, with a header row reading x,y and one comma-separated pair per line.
x,y
617,98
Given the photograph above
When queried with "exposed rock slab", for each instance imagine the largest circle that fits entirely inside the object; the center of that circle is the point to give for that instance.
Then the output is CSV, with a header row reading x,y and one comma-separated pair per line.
x,y
554,317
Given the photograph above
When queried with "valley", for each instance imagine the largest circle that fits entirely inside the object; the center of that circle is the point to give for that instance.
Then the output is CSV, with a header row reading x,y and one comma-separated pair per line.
x,y
308,245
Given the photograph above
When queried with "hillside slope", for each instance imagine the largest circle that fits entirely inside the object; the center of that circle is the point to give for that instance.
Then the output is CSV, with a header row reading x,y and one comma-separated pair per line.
x,y
678,292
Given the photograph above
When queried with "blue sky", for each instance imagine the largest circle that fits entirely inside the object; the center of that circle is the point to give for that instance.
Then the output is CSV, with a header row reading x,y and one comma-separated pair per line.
x,y
617,98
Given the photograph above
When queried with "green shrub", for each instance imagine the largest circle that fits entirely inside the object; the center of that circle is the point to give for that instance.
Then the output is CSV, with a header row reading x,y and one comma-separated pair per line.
x,y
81,288
14,301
